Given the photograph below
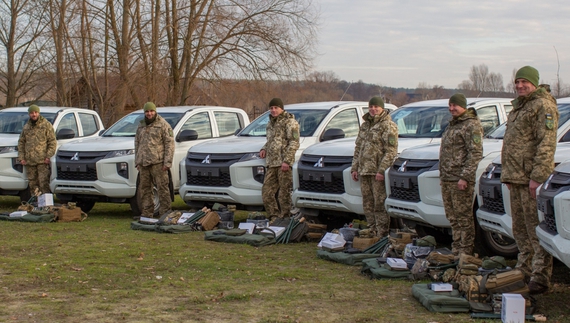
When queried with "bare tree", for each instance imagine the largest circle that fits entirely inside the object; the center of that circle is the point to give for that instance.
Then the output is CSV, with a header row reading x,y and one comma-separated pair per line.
x,y
495,83
424,90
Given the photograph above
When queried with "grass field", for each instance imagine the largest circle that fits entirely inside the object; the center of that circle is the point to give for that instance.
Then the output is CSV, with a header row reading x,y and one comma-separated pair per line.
x,y
100,270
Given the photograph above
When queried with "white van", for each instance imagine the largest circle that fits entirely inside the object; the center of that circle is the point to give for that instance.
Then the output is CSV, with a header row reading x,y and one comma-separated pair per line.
x,y
68,123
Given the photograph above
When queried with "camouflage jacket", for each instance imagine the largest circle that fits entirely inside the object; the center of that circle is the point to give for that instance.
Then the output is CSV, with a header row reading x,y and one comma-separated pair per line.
x,y
530,139
461,149
376,145
154,143
37,142
282,140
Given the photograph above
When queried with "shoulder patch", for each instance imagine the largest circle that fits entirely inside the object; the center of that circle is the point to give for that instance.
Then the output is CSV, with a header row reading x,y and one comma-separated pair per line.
x,y
170,133
295,134
392,140
549,121
477,138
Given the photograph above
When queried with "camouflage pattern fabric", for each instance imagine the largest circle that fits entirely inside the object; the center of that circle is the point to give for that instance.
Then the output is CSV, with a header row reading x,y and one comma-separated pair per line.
x,y
461,148
376,145
37,142
282,140
154,143
458,211
280,183
530,139
373,197
154,149
149,176
38,177
532,259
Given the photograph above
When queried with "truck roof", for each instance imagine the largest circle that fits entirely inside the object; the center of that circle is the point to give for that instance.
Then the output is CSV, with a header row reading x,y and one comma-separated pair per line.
x,y
42,109
321,105
185,108
445,102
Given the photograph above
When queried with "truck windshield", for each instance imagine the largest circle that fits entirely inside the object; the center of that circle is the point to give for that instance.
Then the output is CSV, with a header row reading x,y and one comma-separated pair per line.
x,y
13,122
127,126
421,122
308,121
563,110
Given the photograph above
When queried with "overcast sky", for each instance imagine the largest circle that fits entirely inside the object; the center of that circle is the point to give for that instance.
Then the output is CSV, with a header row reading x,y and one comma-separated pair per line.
x,y
400,43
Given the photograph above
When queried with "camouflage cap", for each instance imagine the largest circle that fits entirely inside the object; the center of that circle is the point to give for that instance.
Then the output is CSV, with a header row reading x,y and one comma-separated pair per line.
x,y
149,106
33,108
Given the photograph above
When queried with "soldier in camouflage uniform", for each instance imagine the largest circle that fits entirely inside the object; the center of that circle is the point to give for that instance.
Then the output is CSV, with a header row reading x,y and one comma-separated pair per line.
x,y
375,151
154,150
527,161
279,153
460,152
37,144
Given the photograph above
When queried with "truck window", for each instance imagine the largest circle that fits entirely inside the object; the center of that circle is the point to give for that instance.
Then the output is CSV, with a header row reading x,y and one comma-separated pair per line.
x,y
199,122
489,117
421,122
228,122
312,118
88,123
346,120
68,121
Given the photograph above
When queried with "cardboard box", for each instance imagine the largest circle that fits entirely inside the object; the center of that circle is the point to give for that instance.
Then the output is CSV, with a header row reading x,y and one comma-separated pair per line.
x,y
247,226
397,263
45,200
441,287
363,243
17,214
278,231
332,241
513,310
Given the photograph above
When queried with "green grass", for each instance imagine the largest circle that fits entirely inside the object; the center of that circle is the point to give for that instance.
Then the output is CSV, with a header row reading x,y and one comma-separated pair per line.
x,y
100,270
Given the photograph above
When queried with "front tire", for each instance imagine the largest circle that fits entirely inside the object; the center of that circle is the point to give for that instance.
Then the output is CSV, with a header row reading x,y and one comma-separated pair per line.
x,y
500,245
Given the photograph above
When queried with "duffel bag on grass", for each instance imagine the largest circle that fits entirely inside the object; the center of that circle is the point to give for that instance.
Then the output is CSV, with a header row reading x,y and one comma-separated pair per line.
x,y
354,259
374,269
48,217
165,228
445,302
256,240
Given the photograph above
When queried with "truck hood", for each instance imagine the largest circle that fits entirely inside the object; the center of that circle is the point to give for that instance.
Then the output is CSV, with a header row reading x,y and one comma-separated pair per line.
x,y
230,145
431,151
406,143
339,147
561,156
9,140
100,144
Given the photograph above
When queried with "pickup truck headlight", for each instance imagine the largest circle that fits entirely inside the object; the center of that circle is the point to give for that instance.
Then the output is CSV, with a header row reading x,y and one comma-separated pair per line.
x,y
119,153
250,156
10,149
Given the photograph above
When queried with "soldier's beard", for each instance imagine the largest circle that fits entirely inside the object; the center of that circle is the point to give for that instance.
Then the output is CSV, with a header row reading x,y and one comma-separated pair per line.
x,y
149,121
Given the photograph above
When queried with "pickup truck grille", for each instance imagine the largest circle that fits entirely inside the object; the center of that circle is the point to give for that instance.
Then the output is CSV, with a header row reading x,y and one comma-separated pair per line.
x,y
210,169
403,177
490,190
557,183
322,174
78,166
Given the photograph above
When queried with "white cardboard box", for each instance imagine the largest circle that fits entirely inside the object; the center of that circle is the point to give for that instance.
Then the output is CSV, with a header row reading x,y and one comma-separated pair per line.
x,y
278,231
45,200
512,310
398,263
441,287
184,217
247,226
17,214
333,241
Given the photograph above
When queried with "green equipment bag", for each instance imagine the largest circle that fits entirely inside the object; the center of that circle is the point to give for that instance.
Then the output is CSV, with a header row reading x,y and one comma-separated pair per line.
x,y
351,259
444,302
374,269
256,240
174,228
48,217
135,225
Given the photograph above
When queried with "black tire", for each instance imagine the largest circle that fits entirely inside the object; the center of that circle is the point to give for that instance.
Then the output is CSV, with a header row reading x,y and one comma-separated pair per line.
x,y
136,201
500,245
25,195
85,205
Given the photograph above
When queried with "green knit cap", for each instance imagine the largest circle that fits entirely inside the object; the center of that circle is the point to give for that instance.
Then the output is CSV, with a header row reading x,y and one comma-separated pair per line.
x,y
376,101
458,99
528,73
276,102
33,108
149,106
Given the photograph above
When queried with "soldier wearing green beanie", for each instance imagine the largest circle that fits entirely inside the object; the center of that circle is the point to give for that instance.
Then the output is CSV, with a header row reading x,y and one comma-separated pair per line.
x,y
33,108
458,99
527,160
149,106
377,101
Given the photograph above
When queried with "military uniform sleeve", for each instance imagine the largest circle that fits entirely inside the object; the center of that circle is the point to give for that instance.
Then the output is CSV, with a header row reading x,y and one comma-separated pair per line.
x,y
546,127
357,147
292,133
390,149
22,145
472,138
168,142
51,141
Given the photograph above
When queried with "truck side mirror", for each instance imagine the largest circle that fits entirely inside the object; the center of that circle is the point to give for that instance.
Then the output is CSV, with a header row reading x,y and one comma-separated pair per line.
x,y
332,133
187,135
65,134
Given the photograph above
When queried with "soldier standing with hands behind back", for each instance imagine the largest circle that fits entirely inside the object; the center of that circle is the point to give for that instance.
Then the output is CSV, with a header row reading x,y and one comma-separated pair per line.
x,y
279,153
37,144
154,150
527,161
460,152
375,151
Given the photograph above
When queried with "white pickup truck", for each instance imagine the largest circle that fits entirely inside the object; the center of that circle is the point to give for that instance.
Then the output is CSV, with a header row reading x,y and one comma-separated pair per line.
x,y
494,212
231,171
102,169
327,187
69,124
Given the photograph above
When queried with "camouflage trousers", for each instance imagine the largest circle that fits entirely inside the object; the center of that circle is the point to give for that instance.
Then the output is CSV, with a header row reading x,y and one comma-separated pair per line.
x,y
38,177
276,192
373,197
153,176
458,210
533,260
